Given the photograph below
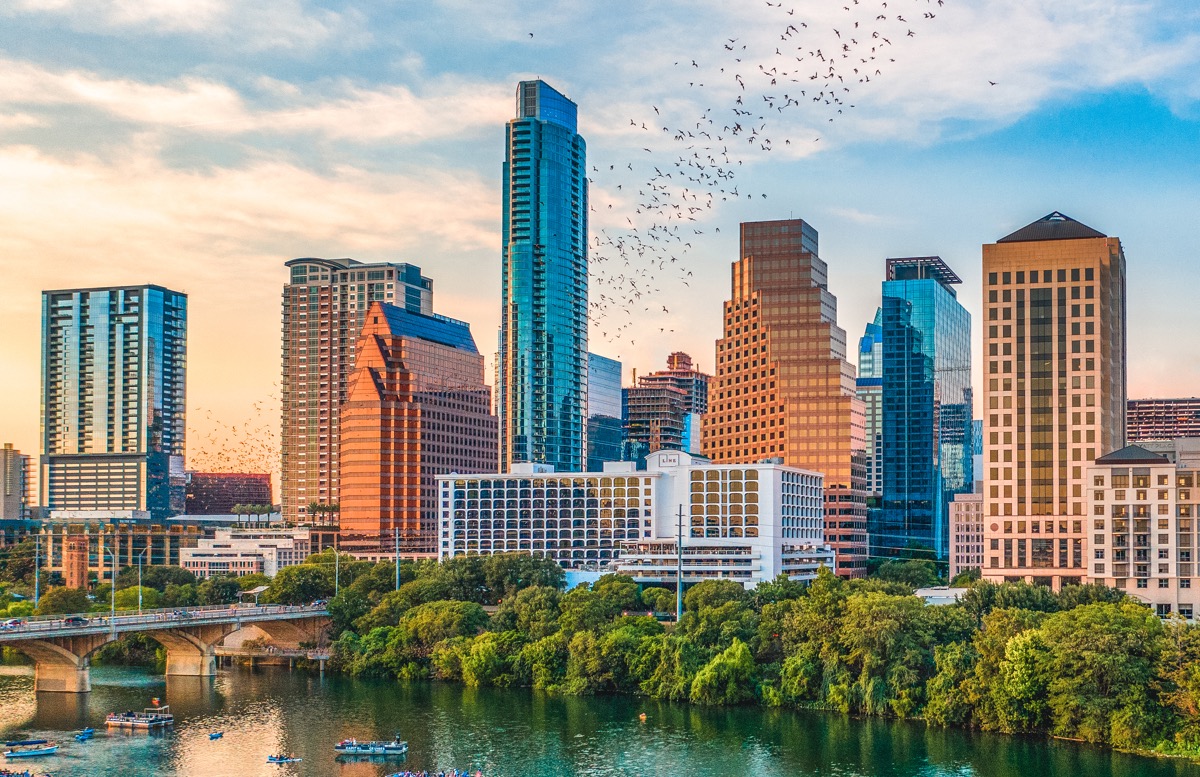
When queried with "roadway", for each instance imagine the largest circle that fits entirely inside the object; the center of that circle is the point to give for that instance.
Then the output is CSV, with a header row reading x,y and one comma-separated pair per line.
x,y
50,626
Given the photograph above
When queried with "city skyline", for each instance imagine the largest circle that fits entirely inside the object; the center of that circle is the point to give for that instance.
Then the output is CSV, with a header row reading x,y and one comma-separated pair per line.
x,y
189,168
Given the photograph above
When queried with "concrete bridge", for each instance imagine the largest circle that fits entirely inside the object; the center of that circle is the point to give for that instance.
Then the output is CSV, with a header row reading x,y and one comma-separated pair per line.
x,y
61,646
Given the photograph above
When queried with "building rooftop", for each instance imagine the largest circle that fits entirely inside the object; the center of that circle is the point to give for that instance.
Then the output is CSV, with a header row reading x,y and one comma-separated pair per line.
x,y
912,268
1055,226
1133,454
435,328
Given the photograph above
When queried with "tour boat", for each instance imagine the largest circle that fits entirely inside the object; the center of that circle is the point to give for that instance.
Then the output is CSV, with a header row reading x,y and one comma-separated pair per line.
x,y
29,748
85,735
354,747
149,718
283,759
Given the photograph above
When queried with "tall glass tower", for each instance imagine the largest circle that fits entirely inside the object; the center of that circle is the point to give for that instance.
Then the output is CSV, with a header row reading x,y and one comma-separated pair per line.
x,y
541,391
114,369
927,406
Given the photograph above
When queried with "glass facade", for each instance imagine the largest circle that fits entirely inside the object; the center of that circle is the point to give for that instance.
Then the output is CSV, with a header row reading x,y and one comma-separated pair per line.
x,y
605,429
542,372
869,385
927,407
784,388
114,368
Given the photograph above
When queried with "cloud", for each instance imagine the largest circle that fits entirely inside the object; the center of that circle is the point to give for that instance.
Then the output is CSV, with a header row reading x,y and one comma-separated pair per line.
x,y
338,109
254,26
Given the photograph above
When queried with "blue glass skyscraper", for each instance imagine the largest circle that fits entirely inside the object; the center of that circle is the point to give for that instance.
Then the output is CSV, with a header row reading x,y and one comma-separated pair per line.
x,y
605,427
927,406
542,367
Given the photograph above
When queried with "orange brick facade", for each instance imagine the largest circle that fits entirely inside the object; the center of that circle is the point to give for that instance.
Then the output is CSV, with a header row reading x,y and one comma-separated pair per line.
x,y
415,408
783,387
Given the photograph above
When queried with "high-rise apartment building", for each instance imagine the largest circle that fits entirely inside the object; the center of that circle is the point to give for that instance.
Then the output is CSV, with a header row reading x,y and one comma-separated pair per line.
x,y
416,407
542,365
14,484
1144,508
605,429
1163,419
664,409
324,304
966,532
927,407
114,369
869,386
1054,393
783,387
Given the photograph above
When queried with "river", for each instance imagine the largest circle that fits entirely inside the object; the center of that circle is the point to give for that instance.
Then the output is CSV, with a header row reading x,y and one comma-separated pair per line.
x,y
506,733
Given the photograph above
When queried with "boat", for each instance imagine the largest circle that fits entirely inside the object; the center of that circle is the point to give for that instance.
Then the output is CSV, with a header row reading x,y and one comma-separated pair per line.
x,y
149,718
396,747
30,748
216,735
283,759
85,735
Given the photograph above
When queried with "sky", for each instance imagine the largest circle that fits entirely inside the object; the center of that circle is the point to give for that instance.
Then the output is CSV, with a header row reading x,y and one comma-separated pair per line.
x,y
200,144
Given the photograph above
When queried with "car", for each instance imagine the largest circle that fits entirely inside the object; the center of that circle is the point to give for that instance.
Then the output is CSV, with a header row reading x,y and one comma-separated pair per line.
x,y
319,603
75,620
12,623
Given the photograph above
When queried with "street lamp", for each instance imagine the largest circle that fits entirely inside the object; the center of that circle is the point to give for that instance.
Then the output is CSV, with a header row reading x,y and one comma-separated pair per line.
x,y
140,577
112,576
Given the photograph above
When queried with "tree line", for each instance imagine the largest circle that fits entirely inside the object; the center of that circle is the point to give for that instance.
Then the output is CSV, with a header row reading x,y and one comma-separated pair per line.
x,y
1087,663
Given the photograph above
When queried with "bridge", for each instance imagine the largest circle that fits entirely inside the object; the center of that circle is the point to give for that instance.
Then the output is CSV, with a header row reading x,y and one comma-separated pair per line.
x,y
61,646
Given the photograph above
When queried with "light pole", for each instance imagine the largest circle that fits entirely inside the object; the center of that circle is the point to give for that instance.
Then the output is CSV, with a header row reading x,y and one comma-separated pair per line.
x,y
112,577
140,576
679,570
37,567
337,557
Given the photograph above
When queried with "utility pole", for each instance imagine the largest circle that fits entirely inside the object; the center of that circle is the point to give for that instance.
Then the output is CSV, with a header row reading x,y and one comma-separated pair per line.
x,y
337,558
396,534
679,570
140,574
37,567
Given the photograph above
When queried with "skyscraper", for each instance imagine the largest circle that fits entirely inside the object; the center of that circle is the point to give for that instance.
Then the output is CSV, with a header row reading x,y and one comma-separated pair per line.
x,y
542,362
664,409
1054,393
324,304
114,368
416,407
605,429
869,387
927,407
14,493
784,388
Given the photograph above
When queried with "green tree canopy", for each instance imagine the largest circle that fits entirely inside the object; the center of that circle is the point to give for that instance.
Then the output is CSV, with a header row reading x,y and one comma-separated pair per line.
x,y
61,600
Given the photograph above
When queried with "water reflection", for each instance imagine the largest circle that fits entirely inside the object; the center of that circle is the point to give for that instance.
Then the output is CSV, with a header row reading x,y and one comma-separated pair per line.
x,y
505,733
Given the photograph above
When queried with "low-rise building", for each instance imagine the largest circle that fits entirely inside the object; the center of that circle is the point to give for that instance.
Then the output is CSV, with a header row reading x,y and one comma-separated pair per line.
x,y
239,552
1144,504
966,532
745,522
83,553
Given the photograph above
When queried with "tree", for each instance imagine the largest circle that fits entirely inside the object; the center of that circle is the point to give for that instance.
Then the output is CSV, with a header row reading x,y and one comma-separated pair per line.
x,y
659,599
17,562
781,589
300,584
618,592
218,590
61,600
127,598
915,573
714,593
532,612
727,679
155,576
507,573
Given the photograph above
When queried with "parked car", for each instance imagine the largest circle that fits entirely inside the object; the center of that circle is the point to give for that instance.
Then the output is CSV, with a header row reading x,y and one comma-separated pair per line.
x,y
12,623
75,620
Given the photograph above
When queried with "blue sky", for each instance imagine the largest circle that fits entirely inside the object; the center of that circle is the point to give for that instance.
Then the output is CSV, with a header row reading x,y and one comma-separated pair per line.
x,y
201,143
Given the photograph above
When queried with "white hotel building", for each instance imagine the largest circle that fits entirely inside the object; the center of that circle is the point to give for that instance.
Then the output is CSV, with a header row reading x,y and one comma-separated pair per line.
x,y
239,552
745,522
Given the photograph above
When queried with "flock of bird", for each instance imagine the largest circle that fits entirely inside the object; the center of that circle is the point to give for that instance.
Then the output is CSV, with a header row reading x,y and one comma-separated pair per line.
x,y
249,446
755,87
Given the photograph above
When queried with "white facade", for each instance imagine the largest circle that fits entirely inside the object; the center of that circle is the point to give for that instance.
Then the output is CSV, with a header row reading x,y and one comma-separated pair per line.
x,y
746,522
238,552
1144,505
966,532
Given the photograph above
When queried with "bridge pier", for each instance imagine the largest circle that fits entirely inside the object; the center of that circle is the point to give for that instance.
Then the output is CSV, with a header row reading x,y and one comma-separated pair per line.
x,y
63,678
192,652
63,664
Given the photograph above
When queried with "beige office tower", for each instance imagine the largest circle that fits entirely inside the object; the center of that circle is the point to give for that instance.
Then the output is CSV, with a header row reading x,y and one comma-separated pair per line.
x,y
1054,393
784,390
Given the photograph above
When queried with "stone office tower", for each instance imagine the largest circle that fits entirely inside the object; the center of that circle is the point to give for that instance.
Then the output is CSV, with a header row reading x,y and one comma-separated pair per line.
x,y
542,365
783,387
1054,393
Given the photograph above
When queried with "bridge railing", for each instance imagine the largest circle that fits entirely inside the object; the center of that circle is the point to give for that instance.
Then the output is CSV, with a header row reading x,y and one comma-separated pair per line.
x,y
99,621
